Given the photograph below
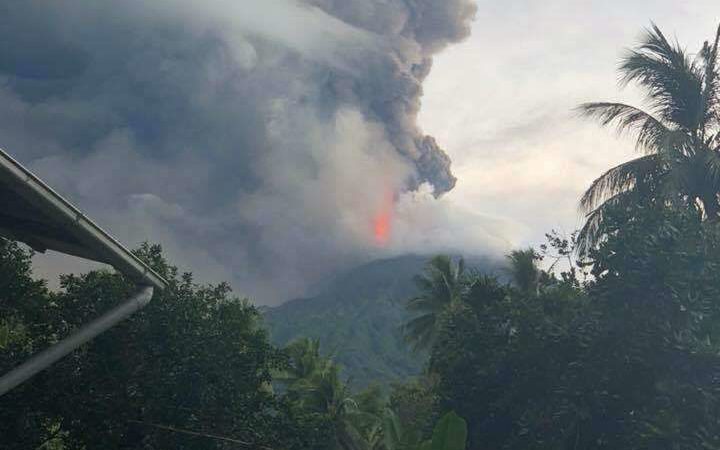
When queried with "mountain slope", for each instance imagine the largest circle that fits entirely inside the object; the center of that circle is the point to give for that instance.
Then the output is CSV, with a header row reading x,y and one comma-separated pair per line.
x,y
357,318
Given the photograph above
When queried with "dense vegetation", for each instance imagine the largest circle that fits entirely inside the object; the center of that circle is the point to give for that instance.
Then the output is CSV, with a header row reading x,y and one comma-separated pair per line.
x,y
606,339
356,317
192,365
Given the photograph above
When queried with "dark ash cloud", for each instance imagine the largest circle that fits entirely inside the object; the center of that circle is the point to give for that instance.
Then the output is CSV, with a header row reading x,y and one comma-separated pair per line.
x,y
254,139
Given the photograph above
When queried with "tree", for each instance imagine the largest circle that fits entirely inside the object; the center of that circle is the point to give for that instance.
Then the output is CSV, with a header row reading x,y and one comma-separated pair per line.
x,y
441,286
524,271
304,360
650,368
190,371
450,433
628,359
314,385
497,361
679,134
29,422
415,405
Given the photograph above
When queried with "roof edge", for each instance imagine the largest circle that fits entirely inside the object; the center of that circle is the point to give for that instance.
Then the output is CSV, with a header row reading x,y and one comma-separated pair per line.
x,y
81,226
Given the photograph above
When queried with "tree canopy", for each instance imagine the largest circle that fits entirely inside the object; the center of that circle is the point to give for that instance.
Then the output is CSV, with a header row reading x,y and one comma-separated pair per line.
x,y
189,371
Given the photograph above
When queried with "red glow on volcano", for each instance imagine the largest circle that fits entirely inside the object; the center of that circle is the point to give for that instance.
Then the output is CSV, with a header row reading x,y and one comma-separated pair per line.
x,y
382,222
382,228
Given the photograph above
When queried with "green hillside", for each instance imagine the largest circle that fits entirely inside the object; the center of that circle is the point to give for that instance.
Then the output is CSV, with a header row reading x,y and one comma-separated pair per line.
x,y
357,318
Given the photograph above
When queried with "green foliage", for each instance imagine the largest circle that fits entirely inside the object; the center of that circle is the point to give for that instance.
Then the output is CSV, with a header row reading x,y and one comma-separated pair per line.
x,y
626,359
524,271
620,349
440,286
314,385
657,291
191,370
366,420
22,305
305,360
450,433
498,357
415,404
357,318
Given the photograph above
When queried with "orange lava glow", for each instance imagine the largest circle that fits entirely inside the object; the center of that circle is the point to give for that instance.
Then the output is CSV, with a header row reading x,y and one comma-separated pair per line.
x,y
382,222
382,229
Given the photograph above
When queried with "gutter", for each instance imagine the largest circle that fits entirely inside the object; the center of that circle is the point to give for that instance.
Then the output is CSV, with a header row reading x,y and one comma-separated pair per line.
x,y
105,248
51,355
95,244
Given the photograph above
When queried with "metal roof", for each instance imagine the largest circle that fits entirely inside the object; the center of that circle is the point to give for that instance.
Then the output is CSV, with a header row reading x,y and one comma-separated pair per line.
x,y
33,213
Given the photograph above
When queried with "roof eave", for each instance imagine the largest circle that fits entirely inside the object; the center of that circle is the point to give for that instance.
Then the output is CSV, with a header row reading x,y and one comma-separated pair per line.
x,y
96,243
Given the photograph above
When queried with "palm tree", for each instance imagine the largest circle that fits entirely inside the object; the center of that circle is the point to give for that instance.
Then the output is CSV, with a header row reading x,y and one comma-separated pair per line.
x,y
443,284
389,433
524,271
305,359
678,134
316,384
323,391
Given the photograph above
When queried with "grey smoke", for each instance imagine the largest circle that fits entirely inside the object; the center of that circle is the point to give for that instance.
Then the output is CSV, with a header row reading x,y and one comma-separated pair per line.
x,y
254,139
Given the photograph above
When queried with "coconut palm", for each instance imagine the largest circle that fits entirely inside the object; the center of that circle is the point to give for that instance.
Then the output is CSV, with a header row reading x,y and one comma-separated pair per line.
x,y
316,384
323,391
524,272
389,433
678,133
305,359
441,285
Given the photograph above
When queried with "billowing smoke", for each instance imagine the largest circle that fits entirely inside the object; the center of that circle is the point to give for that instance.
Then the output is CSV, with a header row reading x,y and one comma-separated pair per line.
x,y
257,140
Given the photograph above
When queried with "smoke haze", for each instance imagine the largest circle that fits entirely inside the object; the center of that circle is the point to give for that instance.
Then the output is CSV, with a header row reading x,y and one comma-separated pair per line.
x,y
256,140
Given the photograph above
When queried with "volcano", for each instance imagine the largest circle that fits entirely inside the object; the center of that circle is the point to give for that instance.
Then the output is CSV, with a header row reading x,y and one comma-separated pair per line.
x,y
358,315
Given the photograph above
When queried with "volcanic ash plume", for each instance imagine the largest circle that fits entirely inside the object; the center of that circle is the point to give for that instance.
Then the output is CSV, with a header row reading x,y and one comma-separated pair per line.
x,y
256,140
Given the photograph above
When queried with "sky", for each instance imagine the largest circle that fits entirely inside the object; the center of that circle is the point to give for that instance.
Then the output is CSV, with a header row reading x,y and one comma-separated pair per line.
x,y
501,103
272,144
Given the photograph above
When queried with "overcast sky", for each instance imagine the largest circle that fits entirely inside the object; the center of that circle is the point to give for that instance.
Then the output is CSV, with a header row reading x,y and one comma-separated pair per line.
x,y
500,103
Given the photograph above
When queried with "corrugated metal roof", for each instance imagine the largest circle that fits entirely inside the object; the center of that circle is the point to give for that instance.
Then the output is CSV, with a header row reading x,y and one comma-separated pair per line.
x,y
33,213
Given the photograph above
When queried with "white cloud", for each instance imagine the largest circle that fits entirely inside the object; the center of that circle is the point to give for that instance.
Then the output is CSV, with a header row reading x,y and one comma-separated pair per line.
x,y
501,103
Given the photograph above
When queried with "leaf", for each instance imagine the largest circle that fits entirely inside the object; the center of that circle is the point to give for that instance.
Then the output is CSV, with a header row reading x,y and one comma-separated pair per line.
x,y
450,433
427,445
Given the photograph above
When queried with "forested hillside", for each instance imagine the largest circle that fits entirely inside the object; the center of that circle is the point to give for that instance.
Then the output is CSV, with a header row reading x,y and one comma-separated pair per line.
x,y
358,318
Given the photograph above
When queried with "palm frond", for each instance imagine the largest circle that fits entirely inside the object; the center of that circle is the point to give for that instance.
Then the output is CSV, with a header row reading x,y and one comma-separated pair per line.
x,y
424,304
711,161
423,283
711,91
441,285
648,130
621,178
420,331
391,429
680,134
523,269
672,79
440,265
594,229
